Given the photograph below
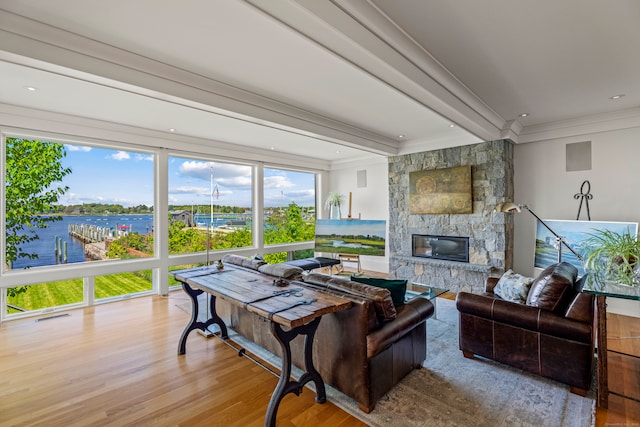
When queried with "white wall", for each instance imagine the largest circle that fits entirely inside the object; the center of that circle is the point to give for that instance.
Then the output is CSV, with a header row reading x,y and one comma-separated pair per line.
x,y
371,202
542,182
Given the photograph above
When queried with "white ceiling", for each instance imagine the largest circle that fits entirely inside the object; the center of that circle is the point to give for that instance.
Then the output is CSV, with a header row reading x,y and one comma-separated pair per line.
x,y
329,80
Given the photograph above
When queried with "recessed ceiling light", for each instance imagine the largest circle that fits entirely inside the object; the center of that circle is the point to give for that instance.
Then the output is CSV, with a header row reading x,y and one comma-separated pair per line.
x,y
523,115
31,88
452,125
272,148
172,130
617,96
400,136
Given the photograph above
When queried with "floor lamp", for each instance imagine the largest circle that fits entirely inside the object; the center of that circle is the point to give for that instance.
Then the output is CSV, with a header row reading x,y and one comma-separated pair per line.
x,y
510,207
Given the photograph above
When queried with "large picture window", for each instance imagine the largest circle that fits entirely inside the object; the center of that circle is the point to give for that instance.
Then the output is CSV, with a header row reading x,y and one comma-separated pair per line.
x,y
210,205
75,203
289,209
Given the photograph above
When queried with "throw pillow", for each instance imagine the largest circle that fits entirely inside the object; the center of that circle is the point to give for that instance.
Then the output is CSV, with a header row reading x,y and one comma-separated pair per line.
x,y
553,288
397,287
513,287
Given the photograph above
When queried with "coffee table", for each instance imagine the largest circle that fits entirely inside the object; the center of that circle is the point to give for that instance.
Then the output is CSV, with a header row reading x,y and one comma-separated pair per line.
x,y
420,290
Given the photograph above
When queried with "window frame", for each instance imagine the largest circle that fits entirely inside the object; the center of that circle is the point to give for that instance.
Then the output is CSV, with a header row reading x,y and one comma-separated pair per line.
x,y
161,261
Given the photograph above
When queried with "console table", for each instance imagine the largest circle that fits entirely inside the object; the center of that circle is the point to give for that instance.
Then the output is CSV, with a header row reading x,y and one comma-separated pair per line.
x,y
282,303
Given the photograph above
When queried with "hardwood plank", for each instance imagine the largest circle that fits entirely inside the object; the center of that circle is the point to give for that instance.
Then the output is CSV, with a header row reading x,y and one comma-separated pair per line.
x,y
116,364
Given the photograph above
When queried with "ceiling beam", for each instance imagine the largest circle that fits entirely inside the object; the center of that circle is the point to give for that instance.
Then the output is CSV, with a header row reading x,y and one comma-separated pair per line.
x,y
360,34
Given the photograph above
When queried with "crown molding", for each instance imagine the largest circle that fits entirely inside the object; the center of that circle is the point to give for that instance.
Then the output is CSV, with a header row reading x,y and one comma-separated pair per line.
x,y
623,119
27,42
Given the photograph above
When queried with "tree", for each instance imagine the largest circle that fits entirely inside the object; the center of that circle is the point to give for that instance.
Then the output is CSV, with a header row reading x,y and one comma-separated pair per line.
x,y
33,174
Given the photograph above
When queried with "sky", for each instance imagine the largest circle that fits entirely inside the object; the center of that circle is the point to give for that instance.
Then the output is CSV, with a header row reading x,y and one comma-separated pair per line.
x,y
123,177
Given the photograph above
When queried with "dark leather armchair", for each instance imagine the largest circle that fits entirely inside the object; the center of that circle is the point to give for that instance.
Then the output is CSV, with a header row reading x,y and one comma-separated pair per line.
x,y
552,335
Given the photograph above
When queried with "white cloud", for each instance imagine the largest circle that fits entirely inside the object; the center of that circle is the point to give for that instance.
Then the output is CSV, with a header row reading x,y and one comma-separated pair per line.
x,y
120,155
223,173
144,157
83,148
278,181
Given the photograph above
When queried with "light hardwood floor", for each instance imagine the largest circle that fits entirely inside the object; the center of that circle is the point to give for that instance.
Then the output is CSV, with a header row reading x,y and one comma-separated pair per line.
x,y
116,364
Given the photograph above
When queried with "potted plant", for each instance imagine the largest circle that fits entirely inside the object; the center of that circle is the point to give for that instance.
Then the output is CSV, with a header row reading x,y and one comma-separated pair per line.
x,y
333,202
613,257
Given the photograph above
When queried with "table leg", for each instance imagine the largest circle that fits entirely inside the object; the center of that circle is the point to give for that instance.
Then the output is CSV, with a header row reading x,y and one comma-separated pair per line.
x,y
194,323
603,374
285,385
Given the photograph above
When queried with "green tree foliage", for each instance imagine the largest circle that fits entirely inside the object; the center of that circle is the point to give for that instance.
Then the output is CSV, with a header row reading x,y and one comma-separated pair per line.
x,y
33,169
287,225
119,248
101,209
282,226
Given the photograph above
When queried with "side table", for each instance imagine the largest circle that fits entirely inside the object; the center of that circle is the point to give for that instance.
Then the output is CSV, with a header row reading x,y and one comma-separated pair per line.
x,y
420,290
602,291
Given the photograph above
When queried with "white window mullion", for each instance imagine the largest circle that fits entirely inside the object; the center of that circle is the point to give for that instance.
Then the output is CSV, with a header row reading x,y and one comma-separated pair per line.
x,y
161,217
89,290
258,210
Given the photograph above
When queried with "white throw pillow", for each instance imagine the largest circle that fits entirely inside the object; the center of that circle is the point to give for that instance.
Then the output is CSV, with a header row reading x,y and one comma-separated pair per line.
x,y
513,287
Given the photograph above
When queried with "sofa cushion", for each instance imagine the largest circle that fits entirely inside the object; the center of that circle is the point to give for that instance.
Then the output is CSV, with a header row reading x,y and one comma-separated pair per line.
x,y
553,288
382,301
513,287
397,287
281,270
242,261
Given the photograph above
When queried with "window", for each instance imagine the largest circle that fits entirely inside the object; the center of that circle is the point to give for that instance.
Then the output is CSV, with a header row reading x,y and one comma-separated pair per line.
x,y
120,284
76,203
44,296
210,205
289,208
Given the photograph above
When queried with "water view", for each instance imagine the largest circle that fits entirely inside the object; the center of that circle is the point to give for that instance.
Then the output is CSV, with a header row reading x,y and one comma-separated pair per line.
x,y
45,246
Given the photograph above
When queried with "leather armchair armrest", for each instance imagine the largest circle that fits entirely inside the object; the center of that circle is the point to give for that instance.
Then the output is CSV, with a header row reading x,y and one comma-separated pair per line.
x,y
493,308
408,317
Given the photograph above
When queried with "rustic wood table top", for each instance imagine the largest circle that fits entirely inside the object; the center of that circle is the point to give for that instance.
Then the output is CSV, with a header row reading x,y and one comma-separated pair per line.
x,y
285,302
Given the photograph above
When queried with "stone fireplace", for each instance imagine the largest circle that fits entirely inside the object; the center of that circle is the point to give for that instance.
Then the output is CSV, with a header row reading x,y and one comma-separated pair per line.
x,y
489,234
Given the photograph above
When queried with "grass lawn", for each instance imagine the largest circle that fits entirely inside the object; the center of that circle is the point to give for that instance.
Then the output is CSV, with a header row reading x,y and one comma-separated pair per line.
x,y
64,292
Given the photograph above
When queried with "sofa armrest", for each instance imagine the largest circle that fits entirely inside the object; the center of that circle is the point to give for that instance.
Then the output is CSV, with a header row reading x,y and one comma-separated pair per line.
x,y
409,315
491,283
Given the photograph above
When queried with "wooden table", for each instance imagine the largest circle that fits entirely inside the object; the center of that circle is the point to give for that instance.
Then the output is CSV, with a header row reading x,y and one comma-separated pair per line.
x,y
285,305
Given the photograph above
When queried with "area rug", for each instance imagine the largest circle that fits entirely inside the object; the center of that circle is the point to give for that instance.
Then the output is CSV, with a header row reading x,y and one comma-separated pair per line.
x,y
452,391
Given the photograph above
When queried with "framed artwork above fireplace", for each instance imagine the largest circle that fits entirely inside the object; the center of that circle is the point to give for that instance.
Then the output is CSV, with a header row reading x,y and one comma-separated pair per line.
x,y
441,191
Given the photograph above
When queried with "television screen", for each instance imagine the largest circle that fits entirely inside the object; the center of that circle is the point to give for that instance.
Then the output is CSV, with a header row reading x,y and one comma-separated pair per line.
x,y
362,237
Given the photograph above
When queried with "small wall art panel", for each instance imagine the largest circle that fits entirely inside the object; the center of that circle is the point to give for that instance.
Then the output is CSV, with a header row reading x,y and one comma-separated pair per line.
x,y
441,191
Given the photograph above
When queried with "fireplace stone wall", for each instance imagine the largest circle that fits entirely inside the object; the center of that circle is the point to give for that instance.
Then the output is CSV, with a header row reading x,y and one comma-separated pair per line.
x,y
490,233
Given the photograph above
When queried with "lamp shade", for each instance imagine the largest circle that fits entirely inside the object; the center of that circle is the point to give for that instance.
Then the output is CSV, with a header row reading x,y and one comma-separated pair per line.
x,y
507,207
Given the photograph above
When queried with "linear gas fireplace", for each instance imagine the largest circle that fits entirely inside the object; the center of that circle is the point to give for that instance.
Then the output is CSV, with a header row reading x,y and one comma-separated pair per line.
x,y
440,247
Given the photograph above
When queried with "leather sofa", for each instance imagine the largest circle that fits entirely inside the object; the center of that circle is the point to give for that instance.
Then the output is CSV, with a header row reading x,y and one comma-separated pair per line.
x,y
354,351
552,334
